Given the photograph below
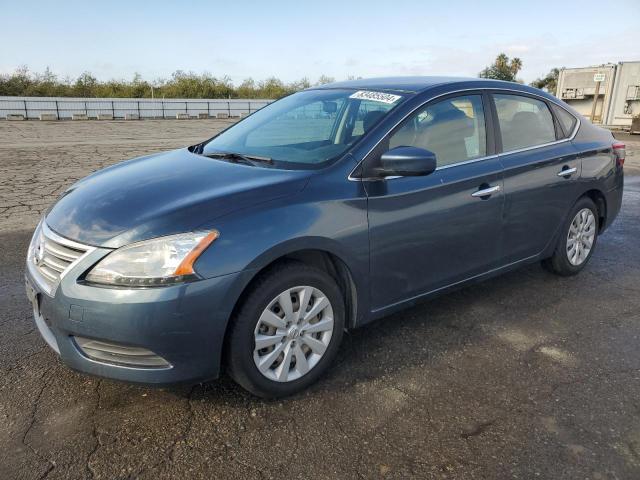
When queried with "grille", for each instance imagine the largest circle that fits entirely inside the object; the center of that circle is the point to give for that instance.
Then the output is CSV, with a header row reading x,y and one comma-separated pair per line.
x,y
52,255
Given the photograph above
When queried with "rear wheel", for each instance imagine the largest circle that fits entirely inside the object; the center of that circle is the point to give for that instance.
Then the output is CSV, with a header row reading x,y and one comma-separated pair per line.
x,y
287,331
577,240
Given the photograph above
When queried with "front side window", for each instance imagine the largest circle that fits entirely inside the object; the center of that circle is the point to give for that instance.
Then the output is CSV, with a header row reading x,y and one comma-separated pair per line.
x,y
453,129
307,128
524,122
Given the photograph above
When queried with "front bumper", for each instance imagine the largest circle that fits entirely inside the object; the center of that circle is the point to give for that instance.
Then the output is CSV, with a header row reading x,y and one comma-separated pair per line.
x,y
182,324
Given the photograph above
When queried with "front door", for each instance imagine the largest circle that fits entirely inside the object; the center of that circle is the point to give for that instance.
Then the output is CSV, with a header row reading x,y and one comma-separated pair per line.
x,y
433,231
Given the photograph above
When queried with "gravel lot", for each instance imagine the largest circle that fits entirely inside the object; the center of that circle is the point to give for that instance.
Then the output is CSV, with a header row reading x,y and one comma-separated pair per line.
x,y
524,376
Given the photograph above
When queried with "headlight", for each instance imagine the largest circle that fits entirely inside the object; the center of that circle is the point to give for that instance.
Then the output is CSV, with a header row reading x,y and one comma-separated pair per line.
x,y
36,240
152,263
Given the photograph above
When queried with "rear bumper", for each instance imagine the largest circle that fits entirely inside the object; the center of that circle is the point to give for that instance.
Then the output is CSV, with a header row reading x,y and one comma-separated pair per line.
x,y
184,325
614,201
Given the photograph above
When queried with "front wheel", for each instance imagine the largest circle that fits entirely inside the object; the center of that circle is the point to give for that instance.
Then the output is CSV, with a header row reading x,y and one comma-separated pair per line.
x,y
577,240
286,332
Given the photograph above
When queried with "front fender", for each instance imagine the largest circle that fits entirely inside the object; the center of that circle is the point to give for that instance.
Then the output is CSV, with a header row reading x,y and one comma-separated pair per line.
x,y
302,243
254,238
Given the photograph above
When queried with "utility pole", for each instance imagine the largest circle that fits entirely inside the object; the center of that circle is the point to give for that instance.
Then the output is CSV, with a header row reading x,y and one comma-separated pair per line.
x,y
598,78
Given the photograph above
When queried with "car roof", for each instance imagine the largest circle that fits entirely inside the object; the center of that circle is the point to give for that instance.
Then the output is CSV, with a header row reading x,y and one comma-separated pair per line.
x,y
420,84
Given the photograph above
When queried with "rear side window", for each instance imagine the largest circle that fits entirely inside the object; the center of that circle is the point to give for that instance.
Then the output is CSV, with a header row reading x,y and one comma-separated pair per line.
x,y
524,122
453,129
567,121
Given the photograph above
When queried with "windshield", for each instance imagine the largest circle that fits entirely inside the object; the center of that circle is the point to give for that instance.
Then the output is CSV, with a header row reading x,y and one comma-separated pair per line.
x,y
309,127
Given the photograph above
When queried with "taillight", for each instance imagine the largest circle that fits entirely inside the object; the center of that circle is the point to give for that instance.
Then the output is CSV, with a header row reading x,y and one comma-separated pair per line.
x,y
620,152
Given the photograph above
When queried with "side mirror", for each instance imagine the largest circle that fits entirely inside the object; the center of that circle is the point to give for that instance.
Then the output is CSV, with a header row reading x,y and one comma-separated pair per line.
x,y
407,162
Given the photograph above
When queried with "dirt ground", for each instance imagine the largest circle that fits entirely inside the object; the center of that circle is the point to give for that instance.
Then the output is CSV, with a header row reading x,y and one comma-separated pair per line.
x,y
524,376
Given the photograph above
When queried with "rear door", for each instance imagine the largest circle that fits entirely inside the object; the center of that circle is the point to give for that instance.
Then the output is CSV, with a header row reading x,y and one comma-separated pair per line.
x,y
541,172
432,231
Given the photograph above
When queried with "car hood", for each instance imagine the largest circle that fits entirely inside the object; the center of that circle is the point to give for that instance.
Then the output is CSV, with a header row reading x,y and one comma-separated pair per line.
x,y
163,194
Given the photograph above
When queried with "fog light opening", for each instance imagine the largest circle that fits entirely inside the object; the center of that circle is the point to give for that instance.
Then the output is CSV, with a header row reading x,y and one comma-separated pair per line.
x,y
119,355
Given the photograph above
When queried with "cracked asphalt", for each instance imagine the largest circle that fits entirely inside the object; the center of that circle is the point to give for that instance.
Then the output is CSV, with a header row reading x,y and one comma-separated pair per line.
x,y
524,376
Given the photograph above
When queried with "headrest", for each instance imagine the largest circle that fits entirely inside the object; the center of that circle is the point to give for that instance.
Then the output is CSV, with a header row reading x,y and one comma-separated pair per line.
x,y
370,119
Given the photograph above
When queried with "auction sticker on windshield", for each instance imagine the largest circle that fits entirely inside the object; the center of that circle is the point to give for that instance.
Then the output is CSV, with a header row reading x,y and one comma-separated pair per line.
x,y
375,96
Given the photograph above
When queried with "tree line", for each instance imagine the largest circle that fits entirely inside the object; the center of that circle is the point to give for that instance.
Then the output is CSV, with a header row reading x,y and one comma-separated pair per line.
x,y
505,68
23,82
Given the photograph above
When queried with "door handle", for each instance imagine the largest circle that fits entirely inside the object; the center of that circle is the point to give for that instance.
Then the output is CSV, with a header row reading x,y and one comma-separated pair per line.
x,y
567,172
485,192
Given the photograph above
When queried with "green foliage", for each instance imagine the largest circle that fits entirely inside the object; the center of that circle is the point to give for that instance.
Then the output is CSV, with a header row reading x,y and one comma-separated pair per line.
x,y
503,69
324,79
182,84
549,82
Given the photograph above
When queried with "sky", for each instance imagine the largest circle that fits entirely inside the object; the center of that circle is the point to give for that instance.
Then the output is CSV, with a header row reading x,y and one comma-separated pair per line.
x,y
295,39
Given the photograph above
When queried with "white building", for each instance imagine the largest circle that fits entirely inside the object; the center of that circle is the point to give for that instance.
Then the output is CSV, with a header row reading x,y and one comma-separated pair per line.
x,y
607,94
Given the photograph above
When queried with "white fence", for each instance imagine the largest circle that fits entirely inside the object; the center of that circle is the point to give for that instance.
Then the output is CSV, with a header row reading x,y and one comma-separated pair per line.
x,y
62,108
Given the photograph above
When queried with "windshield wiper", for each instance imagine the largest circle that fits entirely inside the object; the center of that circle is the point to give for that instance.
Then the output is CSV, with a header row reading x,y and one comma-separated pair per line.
x,y
233,156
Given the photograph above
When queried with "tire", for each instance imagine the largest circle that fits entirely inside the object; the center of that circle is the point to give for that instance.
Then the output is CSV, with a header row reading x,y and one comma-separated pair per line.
x,y
564,261
262,317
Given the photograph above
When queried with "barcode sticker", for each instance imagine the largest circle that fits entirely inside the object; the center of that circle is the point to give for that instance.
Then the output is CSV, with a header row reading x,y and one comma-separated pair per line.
x,y
376,96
